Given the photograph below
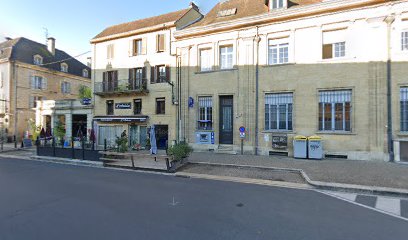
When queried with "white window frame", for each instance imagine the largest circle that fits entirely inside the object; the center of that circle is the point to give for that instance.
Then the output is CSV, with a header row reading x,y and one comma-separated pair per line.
x,y
277,100
85,73
278,4
227,56
282,48
339,50
39,83
404,41
205,63
205,106
333,97
66,87
110,51
64,67
38,60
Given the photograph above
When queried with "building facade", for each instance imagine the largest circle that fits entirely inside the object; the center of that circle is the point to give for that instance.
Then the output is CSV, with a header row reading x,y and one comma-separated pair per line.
x,y
336,69
134,78
31,72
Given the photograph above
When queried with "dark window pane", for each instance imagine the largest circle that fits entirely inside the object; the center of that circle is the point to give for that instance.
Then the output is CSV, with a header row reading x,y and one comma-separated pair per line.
x,y
290,125
274,117
338,124
328,116
347,116
267,126
282,116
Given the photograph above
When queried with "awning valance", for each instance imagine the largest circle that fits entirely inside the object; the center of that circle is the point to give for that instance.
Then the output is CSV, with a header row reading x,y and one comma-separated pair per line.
x,y
121,119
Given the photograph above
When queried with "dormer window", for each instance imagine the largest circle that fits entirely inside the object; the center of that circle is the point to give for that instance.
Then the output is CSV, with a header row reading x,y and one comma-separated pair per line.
x,y
276,4
38,60
85,73
64,67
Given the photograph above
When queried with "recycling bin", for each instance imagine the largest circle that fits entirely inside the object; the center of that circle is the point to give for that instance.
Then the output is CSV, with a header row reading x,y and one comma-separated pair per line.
x,y
315,147
300,147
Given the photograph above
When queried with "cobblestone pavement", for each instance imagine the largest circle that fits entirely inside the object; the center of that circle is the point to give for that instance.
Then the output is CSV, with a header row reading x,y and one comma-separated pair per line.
x,y
368,173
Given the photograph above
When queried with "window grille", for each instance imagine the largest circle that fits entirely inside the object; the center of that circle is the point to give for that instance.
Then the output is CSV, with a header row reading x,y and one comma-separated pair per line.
x,y
205,113
404,109
335,110
278,111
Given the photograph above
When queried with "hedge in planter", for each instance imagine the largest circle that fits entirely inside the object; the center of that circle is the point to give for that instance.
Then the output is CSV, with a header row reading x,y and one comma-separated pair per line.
x,y
180,151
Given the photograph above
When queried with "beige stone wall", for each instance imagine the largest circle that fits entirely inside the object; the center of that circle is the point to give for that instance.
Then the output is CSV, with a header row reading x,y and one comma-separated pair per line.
x,y
23,74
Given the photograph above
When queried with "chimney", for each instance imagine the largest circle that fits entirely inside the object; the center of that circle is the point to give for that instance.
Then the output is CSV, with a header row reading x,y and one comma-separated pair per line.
x,y
51,45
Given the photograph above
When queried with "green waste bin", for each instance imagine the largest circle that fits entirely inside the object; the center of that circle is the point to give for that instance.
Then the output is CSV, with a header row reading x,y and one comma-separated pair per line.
x,y
300,147
315,147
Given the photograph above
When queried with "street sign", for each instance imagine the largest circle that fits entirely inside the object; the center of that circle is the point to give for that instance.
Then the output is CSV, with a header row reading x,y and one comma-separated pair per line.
x,y
242,129
242,134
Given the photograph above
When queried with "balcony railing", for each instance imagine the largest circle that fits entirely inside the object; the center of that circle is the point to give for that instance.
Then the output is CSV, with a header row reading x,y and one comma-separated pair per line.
x,y
121,86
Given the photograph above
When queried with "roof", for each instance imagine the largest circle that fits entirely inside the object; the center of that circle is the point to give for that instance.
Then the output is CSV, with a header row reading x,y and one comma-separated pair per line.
x,y
244,8
142,23
23,50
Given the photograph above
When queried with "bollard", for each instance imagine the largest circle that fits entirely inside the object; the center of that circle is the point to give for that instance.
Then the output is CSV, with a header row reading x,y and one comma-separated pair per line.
x,y
105,145
83,148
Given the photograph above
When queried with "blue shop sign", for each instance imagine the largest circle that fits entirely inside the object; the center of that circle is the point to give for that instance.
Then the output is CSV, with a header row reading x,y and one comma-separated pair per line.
x,y
127,105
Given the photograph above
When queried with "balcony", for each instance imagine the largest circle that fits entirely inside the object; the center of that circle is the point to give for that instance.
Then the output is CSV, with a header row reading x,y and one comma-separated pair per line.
x,y
121,87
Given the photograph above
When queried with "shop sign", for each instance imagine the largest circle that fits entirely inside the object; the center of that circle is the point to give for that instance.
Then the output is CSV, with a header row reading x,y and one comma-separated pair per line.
x,y
280,142
127,105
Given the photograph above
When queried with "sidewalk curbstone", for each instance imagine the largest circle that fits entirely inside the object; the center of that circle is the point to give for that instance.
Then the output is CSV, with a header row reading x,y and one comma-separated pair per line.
x,y
385,191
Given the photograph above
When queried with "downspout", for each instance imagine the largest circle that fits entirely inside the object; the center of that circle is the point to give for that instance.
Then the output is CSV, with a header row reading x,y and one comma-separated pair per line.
x,y
257,39
15,97
389,20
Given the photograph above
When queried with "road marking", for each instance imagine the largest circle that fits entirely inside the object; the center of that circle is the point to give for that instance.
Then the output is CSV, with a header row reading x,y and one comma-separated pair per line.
x,y
391,205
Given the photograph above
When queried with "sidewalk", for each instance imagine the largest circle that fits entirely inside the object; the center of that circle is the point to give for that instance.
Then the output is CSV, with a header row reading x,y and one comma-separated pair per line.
x,y
366,173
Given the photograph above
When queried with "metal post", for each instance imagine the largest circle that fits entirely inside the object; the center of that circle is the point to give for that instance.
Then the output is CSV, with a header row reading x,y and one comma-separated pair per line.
x,y
83,148
242,146
15,141
72,148
105,145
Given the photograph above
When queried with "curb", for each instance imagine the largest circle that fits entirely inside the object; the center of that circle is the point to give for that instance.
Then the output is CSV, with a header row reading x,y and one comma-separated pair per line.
x,y
384,191
66,161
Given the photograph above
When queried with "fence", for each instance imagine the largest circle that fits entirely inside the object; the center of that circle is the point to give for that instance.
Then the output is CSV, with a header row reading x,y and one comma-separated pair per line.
x,y
73,149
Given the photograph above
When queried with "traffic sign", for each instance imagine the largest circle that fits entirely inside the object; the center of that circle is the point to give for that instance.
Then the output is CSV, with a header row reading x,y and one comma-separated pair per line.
x,y
242,129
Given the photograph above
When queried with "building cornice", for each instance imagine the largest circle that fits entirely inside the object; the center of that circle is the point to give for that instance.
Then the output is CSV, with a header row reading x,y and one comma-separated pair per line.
x,y
135,32
277,16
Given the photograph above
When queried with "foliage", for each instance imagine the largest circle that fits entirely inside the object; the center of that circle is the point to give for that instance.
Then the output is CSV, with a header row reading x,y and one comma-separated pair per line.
x,y
84,92
180,151
122,143
34,129
59,131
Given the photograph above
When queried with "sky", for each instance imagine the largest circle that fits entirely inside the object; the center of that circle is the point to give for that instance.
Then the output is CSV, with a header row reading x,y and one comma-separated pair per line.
x,y
74,23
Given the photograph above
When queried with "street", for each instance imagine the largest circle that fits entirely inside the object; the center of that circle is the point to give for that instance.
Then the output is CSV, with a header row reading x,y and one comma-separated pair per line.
x,y
58,201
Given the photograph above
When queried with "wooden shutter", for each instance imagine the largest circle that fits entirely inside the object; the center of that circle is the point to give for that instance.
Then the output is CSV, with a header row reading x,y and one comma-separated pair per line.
x,y
131,48
327,51
44,83
144,46
152,75
158,43
69,87
144,73
32,82
163,42
168,73
115,79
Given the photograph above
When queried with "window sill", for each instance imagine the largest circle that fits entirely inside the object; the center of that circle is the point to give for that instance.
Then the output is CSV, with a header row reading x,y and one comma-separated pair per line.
x,y
278,65
279,131
335,133
219,70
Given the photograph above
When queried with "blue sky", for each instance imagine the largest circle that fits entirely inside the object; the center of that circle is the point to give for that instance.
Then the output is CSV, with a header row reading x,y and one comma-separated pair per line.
x,y
73,23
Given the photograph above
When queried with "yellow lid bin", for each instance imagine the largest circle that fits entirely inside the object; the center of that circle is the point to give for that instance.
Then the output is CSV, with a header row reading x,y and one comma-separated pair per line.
x,y
314,138
300,138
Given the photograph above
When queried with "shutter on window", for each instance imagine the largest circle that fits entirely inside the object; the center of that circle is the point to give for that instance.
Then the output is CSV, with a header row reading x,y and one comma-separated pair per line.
x,y
152,70
31,102
327,51
32,82
115,79
144,73
158,43
62,87
168,73
69,88
163,42
144,46
131,48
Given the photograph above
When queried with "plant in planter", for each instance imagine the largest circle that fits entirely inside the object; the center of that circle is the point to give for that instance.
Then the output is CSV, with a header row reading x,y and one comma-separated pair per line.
x,y
122,143
34,129
180,151
85,93
59,132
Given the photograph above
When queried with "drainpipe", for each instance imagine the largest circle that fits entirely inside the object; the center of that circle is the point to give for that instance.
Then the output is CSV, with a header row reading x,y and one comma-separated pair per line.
x,y
257,39
15,97
389,20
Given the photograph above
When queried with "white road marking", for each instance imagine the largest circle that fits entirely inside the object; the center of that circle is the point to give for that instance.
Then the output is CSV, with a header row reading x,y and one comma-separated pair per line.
x,y
391,205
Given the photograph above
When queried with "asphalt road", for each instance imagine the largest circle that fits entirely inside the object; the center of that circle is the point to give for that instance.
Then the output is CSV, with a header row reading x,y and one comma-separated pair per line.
x,y
54,201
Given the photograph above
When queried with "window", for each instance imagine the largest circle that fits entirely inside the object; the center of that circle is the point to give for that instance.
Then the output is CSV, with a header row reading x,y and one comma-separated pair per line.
x,y
205,60
278,53
404,41
404,109
137,106
110,133
38,82
334,44
278,111
64,67
1,79
335,110
66,87
110,81
33,101
205,113
160,106
85,73
110,51
160,74
160,42
109,107
275,4
38,60
136,78
226,57
139,47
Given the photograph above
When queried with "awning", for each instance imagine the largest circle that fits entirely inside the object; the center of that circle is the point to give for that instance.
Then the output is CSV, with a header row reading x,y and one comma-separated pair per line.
x,y
121,119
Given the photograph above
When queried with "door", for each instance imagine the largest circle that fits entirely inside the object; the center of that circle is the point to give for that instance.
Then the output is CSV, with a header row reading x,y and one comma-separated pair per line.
x,y
226,119
138,135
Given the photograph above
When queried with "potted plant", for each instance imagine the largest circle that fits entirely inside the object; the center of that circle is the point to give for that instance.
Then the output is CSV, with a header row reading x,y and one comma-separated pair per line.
x,y
59,132
180,151
122,143
85,94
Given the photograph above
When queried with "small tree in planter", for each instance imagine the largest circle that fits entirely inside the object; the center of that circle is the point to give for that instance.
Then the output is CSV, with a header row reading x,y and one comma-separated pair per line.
x,y
59,132
122,143
180,151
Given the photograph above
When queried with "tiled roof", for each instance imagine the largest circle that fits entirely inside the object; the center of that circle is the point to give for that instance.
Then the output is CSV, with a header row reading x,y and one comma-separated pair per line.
x,y
23,50
142,23
245,8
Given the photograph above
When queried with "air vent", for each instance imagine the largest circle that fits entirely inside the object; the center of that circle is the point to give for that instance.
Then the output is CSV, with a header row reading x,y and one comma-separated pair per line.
x,y
276,153
337,156
226,13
